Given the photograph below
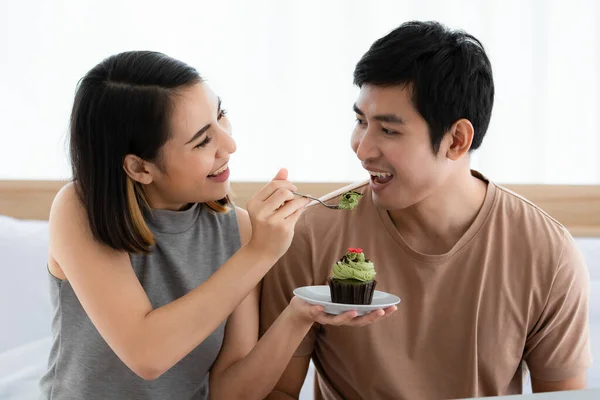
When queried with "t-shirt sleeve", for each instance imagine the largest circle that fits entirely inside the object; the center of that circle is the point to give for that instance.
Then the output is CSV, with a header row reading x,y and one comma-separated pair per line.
x,y
557,348
294,269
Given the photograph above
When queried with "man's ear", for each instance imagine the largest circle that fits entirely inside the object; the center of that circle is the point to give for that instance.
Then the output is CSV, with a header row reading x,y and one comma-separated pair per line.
x,y
460,137
137,169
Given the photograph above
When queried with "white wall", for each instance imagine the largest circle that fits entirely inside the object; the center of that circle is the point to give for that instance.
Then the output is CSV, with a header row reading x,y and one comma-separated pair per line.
x,y
284,70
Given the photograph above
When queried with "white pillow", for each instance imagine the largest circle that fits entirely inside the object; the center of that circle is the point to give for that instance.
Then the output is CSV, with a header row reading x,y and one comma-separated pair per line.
x,y
590,248
25,309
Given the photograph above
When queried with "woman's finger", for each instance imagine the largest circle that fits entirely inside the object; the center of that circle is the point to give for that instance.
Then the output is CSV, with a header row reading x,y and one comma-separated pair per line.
x,y
367,319
336,320
289,208
271,188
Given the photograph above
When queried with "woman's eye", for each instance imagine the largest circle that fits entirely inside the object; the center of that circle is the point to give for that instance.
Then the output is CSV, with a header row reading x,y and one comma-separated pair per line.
x,y
203,143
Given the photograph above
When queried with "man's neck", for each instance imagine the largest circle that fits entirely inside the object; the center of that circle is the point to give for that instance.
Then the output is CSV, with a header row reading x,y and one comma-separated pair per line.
x,y
434,225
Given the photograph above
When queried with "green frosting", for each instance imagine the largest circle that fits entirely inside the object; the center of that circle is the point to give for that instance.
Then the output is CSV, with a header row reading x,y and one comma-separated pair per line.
x,y
354,266
349,200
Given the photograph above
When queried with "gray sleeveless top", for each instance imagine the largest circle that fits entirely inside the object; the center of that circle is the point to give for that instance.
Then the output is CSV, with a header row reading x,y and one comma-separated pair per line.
x,y
190,246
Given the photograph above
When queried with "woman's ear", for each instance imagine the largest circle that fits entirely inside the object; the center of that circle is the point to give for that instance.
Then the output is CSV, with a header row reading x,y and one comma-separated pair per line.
x,y
137,169
461,137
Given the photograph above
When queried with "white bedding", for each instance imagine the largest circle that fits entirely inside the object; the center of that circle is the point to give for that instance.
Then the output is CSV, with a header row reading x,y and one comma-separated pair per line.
x,y
25,312
21,368
23,250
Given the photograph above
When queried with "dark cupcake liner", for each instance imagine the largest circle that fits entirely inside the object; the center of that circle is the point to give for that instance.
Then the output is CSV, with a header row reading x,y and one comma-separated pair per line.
x,y
346,292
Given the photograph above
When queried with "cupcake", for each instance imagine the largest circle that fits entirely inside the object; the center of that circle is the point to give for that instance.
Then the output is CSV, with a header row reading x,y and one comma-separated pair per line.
x,y
349,200
352,279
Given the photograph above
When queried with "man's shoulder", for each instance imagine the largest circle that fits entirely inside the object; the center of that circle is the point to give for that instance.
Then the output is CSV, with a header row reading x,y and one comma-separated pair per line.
x,y
525,214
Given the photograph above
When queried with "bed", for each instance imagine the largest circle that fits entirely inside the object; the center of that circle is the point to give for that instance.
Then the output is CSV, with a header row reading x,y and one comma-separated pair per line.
x,y
25,311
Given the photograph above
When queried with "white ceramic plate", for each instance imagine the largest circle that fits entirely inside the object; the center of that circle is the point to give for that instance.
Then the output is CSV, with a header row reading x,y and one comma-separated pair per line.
x,y
321,295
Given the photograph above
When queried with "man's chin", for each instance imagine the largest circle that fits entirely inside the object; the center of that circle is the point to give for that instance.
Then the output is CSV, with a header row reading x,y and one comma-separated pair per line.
x,y
389,203
382,202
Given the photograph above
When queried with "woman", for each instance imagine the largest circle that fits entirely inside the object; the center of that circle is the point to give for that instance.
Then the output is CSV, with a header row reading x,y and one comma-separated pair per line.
x,y
154,273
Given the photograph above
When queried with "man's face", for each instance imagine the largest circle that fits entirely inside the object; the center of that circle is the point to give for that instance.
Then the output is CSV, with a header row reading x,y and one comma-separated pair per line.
x,y
392,141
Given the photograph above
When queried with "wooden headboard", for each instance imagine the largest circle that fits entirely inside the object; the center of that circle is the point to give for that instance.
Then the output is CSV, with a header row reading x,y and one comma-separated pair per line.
x,y
575,206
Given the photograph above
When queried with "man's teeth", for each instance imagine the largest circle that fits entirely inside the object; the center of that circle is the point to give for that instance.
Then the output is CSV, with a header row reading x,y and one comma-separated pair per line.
x,y
220,170
380,174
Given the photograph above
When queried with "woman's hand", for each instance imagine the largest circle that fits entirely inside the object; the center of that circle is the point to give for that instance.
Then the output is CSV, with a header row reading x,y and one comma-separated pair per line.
x,y
273,212
308,313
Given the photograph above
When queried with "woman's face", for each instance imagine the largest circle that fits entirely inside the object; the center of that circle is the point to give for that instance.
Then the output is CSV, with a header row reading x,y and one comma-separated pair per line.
x,y
194,161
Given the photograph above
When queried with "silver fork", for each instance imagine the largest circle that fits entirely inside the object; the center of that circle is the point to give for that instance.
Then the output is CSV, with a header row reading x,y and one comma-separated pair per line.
x,y
331,206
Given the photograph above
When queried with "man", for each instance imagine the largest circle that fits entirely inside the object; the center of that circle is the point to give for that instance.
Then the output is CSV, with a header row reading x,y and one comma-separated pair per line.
x,y
488,281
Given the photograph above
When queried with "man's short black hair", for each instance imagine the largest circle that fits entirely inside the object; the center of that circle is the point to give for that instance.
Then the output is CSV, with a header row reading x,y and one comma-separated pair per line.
x,y
448,72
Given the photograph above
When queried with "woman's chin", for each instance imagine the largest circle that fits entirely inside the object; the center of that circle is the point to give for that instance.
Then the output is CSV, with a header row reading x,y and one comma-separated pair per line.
x,y
216,195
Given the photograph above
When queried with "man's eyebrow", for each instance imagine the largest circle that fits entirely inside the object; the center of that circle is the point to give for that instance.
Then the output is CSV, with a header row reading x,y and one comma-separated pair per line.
x,y
389,118
357,110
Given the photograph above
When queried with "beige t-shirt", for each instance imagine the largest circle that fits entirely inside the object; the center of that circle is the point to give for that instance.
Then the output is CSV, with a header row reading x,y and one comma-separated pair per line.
x,y
514,288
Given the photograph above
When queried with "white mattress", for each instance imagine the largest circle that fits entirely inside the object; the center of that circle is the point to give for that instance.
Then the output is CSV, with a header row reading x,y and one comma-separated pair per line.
x,y
25,313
